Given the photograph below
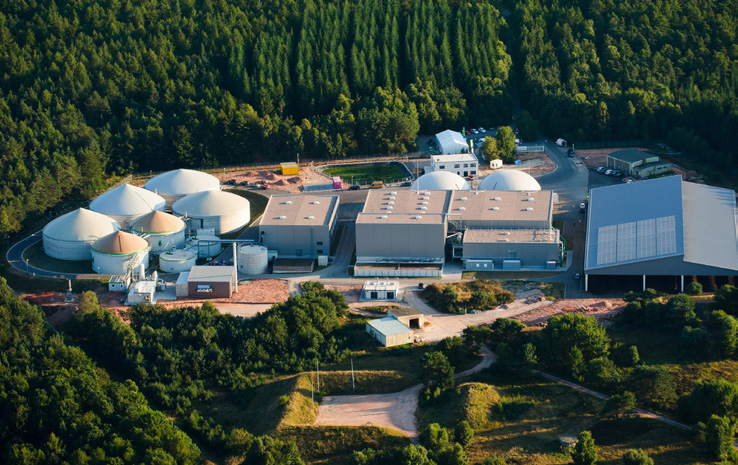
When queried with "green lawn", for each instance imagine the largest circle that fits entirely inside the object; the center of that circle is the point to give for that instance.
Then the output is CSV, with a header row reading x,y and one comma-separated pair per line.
x,y
366,174
36,257
535,411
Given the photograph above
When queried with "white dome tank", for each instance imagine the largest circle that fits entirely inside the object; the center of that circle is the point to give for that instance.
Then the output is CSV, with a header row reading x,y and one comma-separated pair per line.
x,y
177,261
441,181
173,185
208,249
127,203
69,236
509,180
118,252
221,211
253,259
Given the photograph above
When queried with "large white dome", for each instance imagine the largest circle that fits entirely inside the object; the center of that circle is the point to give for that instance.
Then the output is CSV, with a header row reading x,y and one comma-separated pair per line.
x,y
441,181
182,182
509,180
210,203
80,225
127,203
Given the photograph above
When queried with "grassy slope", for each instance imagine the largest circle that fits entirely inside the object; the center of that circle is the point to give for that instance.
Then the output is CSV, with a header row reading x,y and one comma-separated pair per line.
x,y
366,174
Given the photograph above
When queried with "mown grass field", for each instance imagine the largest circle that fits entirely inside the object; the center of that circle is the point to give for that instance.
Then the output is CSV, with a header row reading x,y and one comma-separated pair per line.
x,y
366,174
519,417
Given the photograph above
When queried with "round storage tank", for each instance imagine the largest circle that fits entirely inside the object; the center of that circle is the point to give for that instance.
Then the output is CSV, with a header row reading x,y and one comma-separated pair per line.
x,y
162,230
177,261
173,185
207,249
119,252
441,181
509,180
127,203
221,211
69,236
253,259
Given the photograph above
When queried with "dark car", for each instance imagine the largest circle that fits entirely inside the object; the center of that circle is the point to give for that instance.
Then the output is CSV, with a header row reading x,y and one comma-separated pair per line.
x,y
406,184
570,152
355,187
231,182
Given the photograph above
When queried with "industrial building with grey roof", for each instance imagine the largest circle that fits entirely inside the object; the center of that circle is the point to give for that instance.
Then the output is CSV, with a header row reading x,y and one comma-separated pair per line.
x,y
661,227
299,226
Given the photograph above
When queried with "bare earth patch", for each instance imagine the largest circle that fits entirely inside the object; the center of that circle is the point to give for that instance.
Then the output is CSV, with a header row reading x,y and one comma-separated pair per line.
x,y
352,293
275,179
598,157
601,309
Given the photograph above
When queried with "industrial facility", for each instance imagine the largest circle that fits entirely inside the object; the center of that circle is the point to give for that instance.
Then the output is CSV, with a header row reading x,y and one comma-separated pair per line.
x,y
211,282
119,253
299,226
660,227
127,203
411,233
213,209
162,230
637,163
173,185
440,181
69,237
450,142
462,164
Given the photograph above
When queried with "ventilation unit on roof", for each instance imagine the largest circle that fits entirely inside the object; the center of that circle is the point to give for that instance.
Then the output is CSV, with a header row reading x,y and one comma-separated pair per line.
x,y
289,202
383,217
391,202
426,193
462,208
311,217
315,202
282,217
463,199
417,217
495,208
530,199
425,198
393,193
424,208
530,209
392,197
388,208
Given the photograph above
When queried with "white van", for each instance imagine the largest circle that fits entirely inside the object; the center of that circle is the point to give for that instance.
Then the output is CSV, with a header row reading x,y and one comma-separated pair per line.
x,y
561,142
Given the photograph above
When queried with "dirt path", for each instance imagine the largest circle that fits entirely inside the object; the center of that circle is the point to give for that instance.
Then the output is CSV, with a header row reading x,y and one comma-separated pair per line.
x,y
396,410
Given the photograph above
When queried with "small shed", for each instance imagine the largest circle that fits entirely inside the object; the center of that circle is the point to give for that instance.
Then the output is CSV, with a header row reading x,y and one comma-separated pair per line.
x,y
568,440
389,331
181,285
289,169
408,316
381,290
119,283
211,282
142,292
495,164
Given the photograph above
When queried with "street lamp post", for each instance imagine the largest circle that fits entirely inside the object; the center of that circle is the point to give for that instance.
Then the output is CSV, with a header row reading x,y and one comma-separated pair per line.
x,y
26,265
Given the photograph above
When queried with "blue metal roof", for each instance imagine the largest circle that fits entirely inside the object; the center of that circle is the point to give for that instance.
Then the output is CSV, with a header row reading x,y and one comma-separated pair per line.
x,y
389,326
635,222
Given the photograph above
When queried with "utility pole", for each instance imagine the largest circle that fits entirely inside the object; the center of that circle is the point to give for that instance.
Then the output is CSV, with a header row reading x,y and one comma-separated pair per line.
x,y
317,369
353,384
312,393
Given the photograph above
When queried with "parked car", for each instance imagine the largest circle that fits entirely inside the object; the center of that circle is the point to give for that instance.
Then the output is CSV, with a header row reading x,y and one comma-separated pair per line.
x,y
482,130
474,131
467,132
406,184
231,182
570,152
561,142
355,187
518,141
582,207
609,172
243,183
628,179
577,276
377,185
601,169
617,174
265,186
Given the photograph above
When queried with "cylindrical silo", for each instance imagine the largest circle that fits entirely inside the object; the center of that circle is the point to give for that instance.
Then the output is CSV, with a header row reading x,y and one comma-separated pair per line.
x,y
69,236
207,249
221,211
119,252
162,230
177,261
253,259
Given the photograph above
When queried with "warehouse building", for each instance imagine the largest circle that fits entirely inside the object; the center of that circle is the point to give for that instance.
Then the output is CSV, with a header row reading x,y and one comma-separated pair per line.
x,y
462,164
299,226
389,331
661,227
407,233
210,282
450,142
637,163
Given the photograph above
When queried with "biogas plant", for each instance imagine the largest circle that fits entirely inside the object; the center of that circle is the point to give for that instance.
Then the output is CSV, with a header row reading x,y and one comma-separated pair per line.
x,y
178,216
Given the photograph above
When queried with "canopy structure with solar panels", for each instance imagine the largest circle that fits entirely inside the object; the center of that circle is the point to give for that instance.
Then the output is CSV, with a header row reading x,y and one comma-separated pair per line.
x,y
661,227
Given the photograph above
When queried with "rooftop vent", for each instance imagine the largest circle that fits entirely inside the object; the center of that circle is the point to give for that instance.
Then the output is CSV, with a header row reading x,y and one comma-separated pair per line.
x,y
391,202
423,203
417,217
497,199
389,208
424,208
426,193
311,217
393,193
392,197
315,202
289,202
383,217
426,198
495,208
462,208
463,199
530,209
282,217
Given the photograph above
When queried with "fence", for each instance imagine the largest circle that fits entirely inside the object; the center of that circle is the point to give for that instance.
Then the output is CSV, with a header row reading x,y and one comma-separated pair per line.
x,y
529,148
614,144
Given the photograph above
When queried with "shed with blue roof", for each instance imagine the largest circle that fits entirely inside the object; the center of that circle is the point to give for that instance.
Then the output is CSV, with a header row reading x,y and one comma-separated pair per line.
x,y
389,331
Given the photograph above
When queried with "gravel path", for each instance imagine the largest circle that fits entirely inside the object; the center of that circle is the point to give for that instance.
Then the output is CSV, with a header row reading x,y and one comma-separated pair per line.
x,y
396,410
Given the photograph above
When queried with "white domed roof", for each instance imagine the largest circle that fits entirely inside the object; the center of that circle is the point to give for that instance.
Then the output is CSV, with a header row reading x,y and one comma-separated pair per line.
x,y
441,181
80,225
210,203
127,200
120,243
509,180
182,182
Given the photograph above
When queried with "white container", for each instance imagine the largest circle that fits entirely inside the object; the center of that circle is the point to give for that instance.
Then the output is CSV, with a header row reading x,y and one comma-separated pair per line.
x,y
208,249
177,261
322,260
253,259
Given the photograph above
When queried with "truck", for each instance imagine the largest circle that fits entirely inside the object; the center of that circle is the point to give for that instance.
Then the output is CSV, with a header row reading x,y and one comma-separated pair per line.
x,y
561,142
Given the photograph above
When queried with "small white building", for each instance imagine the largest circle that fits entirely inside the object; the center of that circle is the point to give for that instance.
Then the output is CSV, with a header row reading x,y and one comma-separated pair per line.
x,y
142,292
381,290
119,283
181,288
451,142
495,164
389,331
463,164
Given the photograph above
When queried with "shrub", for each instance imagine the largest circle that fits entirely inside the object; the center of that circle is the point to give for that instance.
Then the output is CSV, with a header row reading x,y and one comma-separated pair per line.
x,y
694,343
463,433
602,372
719,433
283,400
564,332
707,398
680,310
620,404
585,452
437,371
654,386
435,438
637,457
693,288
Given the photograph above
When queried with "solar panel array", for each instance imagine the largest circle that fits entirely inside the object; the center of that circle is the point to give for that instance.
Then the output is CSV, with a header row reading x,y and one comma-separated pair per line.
x,y
638,239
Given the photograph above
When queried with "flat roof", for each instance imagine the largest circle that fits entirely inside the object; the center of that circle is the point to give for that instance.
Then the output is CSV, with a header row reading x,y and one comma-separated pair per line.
x,y
406,201
404,311
381,285
389,326
310,210
454,157
501,205
211,274
631,155
538,236
649,165
400,218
